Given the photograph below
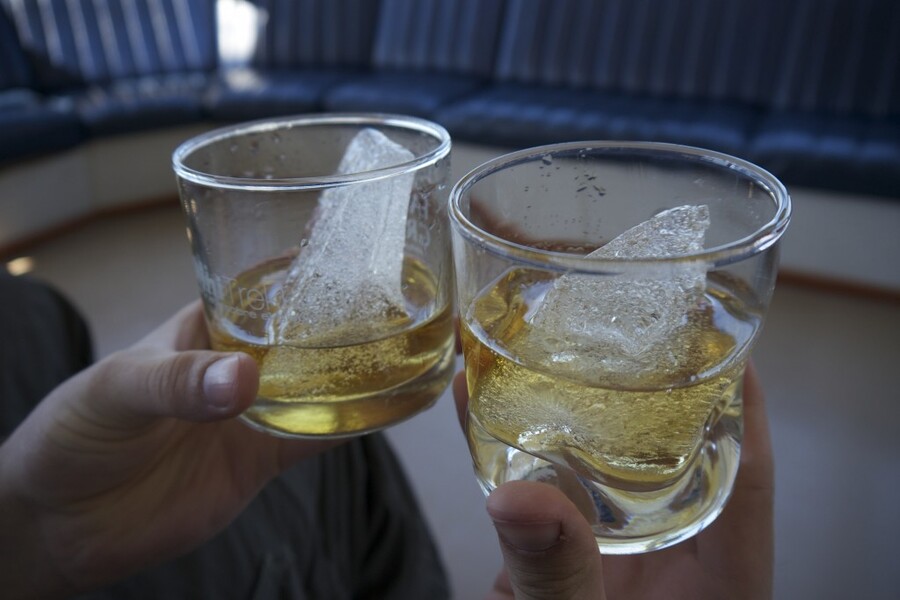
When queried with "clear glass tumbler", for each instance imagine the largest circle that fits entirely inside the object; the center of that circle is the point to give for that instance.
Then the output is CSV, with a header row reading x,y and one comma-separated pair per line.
x,y
609,366
321,248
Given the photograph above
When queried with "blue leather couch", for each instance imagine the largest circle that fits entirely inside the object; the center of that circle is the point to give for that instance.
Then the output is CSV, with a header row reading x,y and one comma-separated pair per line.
x,y
809,89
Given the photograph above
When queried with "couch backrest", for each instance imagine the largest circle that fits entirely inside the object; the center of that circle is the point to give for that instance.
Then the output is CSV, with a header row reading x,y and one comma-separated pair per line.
x,y
14,68
678,48
837,56
458,36
829,55
78,42
311,33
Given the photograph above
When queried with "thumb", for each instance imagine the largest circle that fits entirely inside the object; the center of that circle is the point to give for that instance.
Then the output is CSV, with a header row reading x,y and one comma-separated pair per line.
x,y
197,385
548,547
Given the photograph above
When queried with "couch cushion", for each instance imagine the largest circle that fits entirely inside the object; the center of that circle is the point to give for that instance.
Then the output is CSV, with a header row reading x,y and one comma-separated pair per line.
x,y
35,127
836,97
427,53
72,43
692,49
303,49
839,56
18,98
413,93
521,115
142,103
853,154
247,93
836,56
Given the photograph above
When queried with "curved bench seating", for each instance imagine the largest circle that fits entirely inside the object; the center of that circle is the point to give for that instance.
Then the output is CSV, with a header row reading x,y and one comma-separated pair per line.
x,y
94,95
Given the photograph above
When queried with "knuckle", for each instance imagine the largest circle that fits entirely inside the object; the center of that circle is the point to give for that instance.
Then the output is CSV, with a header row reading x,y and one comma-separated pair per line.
x,y
548,578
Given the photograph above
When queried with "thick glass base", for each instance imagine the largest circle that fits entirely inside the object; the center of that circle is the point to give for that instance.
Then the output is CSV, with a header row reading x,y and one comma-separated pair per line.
x,y
351,417
626,521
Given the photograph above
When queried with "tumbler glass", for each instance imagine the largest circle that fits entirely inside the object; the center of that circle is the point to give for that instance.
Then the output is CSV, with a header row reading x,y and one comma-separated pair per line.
x,y
609,296
321,249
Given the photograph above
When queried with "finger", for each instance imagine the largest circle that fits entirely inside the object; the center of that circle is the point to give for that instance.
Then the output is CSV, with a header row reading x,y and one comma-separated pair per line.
x,y
757,470
137,384
548,548
740,543
461,397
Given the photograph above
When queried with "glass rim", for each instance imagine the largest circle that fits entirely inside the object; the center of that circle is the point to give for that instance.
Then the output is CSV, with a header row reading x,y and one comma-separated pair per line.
x,y
315,182
724,254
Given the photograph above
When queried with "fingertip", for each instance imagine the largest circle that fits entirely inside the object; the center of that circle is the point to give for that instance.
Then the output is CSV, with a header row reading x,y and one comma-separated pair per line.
x,y
527,508
230,385
519,512
248,381
531,502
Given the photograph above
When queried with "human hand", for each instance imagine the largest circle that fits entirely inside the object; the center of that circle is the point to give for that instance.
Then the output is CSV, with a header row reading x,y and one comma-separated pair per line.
x,y
549,549
133,461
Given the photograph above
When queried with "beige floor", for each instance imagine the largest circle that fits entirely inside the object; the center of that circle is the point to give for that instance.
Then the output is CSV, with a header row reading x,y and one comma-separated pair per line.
x,y
826,361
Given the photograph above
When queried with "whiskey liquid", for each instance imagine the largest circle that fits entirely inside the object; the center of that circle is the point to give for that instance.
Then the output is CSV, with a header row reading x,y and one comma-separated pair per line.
x,y
332,388
648,455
